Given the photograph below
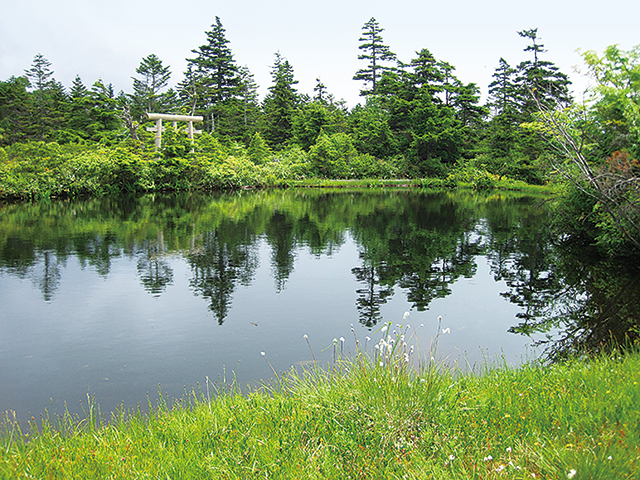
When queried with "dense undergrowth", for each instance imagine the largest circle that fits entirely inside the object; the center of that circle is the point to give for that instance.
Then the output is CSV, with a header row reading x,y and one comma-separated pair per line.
x,y
363,417
37,170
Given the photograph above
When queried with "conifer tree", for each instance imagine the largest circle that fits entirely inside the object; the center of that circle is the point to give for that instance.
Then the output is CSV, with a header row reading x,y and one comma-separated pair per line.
x,y
280,104
39,76
80,105
375,53
15,104
155,76
503,95
49,98
215,77
540,78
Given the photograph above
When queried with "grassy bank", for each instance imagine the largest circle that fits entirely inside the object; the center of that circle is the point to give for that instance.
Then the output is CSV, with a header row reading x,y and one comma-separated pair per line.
x,y
364,418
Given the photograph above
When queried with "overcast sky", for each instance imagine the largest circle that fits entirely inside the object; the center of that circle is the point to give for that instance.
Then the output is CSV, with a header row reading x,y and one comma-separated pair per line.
x,y
108,39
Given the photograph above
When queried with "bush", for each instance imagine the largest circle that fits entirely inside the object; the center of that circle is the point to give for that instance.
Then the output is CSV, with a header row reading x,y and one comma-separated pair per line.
x,y
331,156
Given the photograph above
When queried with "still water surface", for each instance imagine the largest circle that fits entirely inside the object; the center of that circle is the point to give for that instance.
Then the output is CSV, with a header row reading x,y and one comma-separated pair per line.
x,y
113,298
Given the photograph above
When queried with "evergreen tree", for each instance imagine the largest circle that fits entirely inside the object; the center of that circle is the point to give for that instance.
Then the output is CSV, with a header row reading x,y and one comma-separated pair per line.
x,y
503,91
104,110
280,104
80,105
39,76
374,52
314,118
190,90
249,105
320,92
155,76
15,105
426,73
47,94
540,79
213,75
369,128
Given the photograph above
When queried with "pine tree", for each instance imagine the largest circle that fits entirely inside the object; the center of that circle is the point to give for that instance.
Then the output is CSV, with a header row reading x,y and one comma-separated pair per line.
x,y
320,91
375,52
39,76
280,104
155,77
427,76
215,75
15,105
503,90
248,96
540,79
49,98
80,104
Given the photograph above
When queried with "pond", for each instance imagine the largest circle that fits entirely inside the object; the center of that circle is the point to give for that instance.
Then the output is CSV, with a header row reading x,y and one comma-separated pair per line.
x,y
115,298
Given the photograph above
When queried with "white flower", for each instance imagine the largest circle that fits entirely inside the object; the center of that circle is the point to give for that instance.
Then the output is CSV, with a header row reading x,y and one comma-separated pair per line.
x,y
452,458
406,315
488,458
341,339
262,353
368,339
446,330
439,318
508,449
572,473
305,336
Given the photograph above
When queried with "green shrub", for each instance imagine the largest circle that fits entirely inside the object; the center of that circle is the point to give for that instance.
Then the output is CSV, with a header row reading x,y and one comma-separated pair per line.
x,y
331,156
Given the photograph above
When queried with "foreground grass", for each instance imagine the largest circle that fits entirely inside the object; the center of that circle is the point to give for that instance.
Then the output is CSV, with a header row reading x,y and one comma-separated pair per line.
x,y
362,420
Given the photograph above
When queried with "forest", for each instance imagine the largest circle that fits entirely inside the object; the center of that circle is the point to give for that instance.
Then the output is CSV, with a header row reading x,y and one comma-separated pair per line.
x,y
417,120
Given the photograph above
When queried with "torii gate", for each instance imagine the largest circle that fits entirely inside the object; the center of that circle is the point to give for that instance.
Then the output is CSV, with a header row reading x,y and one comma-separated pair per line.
x,y
159,117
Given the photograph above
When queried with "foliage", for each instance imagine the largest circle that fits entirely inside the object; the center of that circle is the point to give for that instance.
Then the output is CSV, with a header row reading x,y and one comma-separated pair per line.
x,y
331,156
581,136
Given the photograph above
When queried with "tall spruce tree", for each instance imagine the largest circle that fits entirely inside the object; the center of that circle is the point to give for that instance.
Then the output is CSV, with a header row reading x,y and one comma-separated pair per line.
x,y
375,52
503,94
214,76
80,105
280,104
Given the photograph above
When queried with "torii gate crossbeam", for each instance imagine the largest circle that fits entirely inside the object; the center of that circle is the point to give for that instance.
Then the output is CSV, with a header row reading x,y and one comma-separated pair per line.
x,y
159,117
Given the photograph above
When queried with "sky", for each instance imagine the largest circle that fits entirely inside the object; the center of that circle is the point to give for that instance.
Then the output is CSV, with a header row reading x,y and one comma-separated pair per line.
x,y
108,39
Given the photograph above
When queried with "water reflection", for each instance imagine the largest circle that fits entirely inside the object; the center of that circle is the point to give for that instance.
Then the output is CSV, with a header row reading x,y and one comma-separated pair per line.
x,y
414,243
590,304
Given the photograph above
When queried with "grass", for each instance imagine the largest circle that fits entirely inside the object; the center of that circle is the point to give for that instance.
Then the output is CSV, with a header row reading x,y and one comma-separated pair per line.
x,y
369,416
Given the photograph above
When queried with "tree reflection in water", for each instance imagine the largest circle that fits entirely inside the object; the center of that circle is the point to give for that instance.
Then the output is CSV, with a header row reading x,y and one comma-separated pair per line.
x,y
410,243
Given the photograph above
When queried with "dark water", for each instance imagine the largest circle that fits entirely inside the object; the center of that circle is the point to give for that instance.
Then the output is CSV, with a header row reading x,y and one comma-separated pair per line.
x,y
113,297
